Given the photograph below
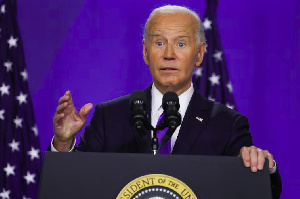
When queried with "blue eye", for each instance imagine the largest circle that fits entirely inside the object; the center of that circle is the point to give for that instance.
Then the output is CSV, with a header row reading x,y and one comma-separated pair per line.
x,y
159,43
180,44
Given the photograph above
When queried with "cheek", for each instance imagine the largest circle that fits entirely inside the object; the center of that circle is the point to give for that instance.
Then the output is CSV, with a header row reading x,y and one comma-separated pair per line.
x,y
188,65
153,71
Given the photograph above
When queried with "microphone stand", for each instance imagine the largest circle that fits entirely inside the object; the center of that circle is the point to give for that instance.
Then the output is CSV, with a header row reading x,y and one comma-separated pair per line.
x,y
154,143
155,147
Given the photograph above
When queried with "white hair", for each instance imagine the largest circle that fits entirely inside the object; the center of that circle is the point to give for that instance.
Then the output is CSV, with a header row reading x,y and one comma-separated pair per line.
x,y
172,9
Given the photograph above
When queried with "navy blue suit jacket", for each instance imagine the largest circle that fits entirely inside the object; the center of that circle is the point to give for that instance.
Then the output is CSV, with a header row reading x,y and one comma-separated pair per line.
x,y
222,131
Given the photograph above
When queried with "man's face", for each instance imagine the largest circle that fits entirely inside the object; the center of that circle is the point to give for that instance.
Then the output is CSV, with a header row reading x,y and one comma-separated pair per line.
x,y
172,51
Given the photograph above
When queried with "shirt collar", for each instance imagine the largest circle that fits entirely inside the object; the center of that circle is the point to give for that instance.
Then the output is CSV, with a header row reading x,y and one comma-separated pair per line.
x,y
184,99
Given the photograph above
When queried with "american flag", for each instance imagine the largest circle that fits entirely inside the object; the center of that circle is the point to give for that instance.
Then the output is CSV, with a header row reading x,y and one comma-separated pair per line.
x,y
211,78
20,159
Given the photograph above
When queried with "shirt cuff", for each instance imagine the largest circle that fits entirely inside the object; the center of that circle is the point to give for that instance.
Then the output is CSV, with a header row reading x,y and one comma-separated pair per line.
x,y
54,150
273,170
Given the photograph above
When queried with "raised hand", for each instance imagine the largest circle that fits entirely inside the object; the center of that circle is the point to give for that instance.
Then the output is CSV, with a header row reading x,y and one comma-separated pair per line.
x,y
67,122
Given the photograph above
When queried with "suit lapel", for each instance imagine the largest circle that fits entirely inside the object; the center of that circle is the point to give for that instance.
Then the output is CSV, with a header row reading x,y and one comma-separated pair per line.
x,y
194,121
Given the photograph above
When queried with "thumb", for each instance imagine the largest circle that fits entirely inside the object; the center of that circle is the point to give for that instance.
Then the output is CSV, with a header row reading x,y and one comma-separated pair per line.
x,y
85,109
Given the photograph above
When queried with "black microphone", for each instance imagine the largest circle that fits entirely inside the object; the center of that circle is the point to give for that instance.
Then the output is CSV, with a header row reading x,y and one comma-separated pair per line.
x,y
138,114
172,118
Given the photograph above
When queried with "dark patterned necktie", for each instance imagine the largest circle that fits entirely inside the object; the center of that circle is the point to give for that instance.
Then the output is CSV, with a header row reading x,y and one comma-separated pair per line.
x,y
166,149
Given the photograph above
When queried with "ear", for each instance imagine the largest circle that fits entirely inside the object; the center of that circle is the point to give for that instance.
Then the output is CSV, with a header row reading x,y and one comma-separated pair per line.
x,y
201,53
145,52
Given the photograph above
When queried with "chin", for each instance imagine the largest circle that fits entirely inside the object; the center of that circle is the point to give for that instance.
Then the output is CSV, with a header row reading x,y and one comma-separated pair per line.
x,y
170,86
170,81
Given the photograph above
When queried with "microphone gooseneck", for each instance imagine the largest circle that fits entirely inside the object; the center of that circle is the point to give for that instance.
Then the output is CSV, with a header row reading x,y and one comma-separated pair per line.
x,y
172,118
138,115
139,119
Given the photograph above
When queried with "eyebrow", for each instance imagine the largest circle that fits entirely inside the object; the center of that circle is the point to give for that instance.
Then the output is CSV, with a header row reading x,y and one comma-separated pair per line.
x,y
183,36
157,35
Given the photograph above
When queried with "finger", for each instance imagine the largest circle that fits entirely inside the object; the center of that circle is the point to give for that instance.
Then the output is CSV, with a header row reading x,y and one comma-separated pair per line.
x,y
253,157
270,158
246,156
67,97
57,118
68,93
260,159
61,107
85,109
63,99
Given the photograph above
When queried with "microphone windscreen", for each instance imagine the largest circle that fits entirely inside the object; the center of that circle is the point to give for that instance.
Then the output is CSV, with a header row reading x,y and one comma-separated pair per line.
x,y
137,96
170,96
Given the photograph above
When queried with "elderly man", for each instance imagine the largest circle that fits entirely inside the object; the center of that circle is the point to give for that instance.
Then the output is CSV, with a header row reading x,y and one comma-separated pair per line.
x,y
173,44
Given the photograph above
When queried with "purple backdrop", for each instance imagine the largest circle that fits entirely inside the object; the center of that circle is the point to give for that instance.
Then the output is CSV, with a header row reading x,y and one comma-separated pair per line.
x,y
94,49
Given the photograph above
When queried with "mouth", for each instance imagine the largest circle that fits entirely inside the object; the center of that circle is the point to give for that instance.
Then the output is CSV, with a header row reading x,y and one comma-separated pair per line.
x,y
168,69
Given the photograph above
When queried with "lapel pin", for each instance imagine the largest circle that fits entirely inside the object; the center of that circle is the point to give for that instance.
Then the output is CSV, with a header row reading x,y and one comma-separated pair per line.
x,y
199,118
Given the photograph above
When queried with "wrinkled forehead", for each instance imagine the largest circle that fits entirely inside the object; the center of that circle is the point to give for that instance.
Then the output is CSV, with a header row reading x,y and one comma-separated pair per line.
x,y
182,24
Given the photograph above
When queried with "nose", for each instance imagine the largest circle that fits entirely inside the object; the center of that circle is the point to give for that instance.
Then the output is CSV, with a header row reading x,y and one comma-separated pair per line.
x,y
169,53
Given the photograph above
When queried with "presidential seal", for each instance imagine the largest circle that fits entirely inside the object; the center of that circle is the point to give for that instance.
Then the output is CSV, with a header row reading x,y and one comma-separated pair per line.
x,y
156,186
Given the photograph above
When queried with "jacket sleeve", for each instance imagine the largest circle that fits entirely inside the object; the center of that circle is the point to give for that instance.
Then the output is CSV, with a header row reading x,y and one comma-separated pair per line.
x,y
92,139
240,137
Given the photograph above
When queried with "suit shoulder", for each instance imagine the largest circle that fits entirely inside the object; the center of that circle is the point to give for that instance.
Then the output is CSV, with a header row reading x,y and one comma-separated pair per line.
x,y
115,103
218,109
220,112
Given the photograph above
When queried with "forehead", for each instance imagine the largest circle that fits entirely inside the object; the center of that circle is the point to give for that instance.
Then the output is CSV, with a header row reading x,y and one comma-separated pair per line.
x,y
177,23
